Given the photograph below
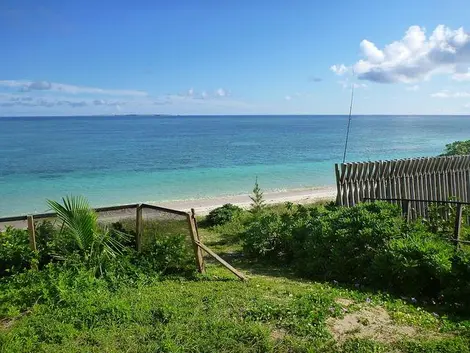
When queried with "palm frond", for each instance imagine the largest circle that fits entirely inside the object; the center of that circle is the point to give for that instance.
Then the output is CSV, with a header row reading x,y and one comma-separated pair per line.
x,y
80,225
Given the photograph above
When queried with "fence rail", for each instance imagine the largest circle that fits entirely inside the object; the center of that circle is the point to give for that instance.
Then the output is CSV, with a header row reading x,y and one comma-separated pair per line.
x,y
137,211
418,179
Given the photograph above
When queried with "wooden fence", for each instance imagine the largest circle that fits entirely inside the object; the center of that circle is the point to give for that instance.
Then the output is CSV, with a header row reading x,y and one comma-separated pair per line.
x,y
435,178
137,210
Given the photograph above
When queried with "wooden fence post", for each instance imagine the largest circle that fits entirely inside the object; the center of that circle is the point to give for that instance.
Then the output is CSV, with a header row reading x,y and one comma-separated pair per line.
x,y
458,224
195,239
138,228
193,215
406,210
32,238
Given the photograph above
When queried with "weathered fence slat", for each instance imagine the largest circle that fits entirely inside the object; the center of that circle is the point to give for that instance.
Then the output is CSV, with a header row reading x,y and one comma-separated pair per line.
x,y
433,178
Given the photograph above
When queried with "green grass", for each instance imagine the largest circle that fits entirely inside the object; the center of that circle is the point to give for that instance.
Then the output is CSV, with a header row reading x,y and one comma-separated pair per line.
x,y
272,312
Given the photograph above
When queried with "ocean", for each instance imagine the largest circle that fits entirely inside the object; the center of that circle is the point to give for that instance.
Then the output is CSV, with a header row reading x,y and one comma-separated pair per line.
x,y
126,159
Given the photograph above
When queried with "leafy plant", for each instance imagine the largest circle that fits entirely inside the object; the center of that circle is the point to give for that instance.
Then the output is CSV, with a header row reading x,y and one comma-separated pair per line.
x,y
15,253
222,215
414,264
258,203
168,254
341,244
264,236
457,148
81,238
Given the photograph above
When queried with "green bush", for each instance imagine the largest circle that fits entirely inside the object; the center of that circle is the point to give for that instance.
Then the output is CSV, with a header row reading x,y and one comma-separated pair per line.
x,y
414,264
341,244
457,148
222,215
457,282
270,234
369,244
168,254
15,253
264,237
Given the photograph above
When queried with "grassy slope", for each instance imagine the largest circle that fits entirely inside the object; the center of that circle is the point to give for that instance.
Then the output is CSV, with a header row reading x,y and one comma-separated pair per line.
x,y
273,311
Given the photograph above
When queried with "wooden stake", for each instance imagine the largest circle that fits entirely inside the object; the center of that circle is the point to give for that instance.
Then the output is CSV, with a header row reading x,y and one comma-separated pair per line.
x,y
406,210
32,233
32,238
195,239
138,228
222,261
458,224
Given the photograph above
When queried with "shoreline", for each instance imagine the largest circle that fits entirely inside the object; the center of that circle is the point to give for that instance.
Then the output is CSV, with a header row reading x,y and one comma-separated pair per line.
x,y
300,196
204,205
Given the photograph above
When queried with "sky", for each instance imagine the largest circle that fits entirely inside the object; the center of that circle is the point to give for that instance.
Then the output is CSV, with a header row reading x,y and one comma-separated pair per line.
x,y
234,57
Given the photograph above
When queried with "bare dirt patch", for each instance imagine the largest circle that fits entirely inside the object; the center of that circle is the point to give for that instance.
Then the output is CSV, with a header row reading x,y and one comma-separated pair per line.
x,y
6,324
372,323
278,334
344,302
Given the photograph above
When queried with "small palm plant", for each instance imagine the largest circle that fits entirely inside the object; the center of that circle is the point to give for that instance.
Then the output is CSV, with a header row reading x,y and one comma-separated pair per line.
x,y
82,236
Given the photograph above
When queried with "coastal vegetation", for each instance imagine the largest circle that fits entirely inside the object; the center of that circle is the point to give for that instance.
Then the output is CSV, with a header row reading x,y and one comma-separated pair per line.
x,y
457,148
322,278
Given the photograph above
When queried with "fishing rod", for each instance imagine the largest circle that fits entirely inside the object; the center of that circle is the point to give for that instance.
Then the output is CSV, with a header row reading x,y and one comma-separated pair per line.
x,y
349,122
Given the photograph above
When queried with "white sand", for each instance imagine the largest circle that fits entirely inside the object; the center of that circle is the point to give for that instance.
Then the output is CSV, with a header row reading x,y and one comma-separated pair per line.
x,y
299,196
204,206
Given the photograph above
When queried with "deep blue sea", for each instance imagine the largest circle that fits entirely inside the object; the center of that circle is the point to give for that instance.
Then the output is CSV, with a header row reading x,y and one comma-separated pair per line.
x,y
123,159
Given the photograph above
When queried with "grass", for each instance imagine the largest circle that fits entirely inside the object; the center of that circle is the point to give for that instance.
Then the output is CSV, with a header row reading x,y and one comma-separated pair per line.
x,y
272,312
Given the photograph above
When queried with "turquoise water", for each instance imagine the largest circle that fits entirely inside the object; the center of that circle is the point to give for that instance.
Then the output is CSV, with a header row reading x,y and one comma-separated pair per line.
x,y
142,158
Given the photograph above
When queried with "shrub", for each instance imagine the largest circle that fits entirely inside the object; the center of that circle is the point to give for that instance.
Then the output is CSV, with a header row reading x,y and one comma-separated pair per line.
x,y
457,148
341,244
414,264
168,254
457,282
270,234
222,215
264,237
15,253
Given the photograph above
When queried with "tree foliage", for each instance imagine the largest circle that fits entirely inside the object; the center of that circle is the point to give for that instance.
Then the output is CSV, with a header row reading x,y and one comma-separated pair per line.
x,y
257,199
457,148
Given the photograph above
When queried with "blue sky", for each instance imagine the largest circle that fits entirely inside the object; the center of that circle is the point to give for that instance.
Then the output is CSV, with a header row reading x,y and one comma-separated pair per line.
x,y
234,57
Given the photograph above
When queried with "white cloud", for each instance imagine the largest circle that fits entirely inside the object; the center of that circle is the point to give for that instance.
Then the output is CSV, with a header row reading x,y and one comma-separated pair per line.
x,y
42,102
221,92
287,98
449,94
415,57
412,88
193,94
107,102
27,86
339,69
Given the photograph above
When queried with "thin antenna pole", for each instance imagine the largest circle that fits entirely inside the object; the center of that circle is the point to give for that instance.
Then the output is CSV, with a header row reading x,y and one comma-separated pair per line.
x,y
349,123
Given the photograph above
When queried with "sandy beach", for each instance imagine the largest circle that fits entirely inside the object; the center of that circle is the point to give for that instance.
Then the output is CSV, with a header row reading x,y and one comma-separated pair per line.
x,y
204,206
299,196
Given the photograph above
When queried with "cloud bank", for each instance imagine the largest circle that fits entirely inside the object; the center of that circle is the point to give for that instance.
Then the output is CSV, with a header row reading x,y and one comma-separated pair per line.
x,y
28,86
415,57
